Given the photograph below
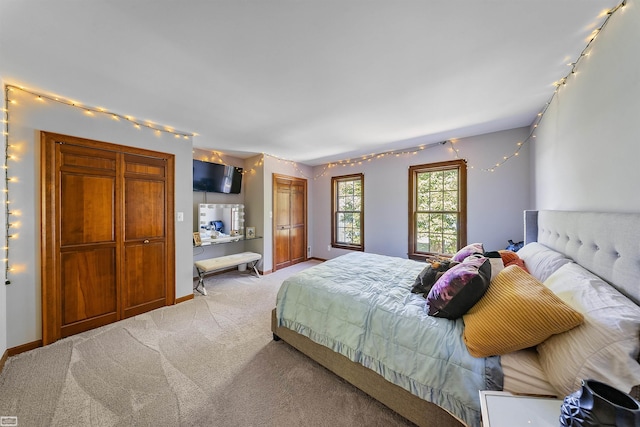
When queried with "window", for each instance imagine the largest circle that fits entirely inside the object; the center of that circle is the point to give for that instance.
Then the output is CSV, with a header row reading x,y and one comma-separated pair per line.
x,y
437,208
347,207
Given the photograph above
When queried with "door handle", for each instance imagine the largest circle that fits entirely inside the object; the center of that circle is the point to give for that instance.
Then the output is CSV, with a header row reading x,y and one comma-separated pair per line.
x,y
145,241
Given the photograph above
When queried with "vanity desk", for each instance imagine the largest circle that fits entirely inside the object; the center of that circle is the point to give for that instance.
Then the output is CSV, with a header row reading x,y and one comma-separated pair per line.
x,y
219,242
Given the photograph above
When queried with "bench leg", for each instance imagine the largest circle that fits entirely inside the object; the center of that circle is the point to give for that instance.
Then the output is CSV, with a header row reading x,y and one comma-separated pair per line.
x,y
255,269
200,283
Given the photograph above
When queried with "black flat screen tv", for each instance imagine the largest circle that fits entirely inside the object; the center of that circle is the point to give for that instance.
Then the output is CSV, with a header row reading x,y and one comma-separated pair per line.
x,y
216,178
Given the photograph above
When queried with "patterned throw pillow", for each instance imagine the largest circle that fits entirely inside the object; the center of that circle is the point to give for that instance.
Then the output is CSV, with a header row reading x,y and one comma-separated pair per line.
x,y
429,275
459,288
472,249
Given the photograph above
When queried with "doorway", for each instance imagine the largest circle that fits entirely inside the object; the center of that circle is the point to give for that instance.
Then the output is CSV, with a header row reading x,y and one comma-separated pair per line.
x,y
289,221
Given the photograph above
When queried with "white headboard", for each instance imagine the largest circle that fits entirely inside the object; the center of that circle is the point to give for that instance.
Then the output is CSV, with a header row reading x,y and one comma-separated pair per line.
x,y
607,244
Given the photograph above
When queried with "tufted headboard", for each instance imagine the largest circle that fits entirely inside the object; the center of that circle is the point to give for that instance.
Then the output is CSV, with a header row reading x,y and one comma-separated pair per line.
x,y
607,244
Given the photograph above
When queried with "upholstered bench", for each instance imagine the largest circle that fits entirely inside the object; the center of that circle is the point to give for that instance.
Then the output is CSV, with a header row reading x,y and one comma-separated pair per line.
x,y
205,266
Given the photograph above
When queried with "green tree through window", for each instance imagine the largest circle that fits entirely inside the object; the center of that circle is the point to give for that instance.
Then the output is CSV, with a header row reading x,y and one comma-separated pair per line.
x,y
437,214
347,206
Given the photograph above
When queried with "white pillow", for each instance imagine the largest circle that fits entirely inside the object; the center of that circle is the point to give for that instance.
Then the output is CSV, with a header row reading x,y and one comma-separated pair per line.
x,y
540,260
524,375
605,347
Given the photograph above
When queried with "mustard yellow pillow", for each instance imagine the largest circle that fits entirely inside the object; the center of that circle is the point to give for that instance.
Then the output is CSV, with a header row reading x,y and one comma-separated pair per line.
x,y
516,312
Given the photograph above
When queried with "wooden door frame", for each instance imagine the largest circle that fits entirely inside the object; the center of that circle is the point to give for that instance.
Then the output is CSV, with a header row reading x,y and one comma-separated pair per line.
x,y
274,190
50,292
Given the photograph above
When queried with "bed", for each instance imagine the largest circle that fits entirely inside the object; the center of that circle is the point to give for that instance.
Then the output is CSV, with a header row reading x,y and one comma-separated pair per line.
x,y
356,316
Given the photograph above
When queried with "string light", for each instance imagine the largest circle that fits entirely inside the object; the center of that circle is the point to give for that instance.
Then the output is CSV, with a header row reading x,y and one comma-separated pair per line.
x,y
11,226
91,111
558,84
216,157
7,211
376,156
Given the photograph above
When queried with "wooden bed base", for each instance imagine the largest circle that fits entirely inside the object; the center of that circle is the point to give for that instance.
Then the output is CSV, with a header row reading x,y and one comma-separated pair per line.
x,y
416,410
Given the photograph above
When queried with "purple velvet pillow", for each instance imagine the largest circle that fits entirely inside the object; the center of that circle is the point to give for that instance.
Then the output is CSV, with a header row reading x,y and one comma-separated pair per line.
x,y
459,288
474,248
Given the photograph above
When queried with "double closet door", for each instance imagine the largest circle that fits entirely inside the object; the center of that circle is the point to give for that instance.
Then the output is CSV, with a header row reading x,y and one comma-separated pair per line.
x,y
107,236
290,221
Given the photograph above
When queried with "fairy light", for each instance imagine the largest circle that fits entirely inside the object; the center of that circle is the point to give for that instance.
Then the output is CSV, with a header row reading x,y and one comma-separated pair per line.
x,y
353,162
93,111
558,85
11,225
7,211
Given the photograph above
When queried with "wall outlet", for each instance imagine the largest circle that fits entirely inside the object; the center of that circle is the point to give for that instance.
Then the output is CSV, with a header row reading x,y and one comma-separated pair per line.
x,y
180,216
329,247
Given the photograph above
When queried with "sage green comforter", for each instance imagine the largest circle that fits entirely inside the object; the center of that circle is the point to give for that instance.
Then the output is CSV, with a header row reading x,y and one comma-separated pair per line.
x,y
361,306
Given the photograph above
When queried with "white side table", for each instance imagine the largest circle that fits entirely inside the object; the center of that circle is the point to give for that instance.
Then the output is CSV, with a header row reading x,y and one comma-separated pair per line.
x,y
503,409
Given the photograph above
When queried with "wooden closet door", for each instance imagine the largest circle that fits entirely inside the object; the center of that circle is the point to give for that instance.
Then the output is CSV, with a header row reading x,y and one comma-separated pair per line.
x,y
282,223
87,242
145,237
290,221
108,244
298,233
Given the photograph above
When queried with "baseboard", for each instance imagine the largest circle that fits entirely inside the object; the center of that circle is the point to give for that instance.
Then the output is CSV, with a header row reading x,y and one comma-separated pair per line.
x,y
316,259
24,347
184,298
3,359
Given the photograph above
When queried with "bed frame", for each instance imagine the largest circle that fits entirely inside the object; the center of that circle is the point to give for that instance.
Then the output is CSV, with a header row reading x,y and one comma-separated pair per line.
x,y
607,244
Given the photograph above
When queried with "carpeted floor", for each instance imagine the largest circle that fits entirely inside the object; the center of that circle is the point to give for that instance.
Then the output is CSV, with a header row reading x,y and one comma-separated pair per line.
x,y
210,361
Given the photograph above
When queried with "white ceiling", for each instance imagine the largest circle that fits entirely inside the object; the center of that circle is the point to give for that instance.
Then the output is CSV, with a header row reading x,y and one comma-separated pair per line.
x,y
310,81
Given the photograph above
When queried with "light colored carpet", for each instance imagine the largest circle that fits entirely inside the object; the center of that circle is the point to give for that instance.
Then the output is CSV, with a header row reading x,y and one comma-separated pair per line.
x,y
210,361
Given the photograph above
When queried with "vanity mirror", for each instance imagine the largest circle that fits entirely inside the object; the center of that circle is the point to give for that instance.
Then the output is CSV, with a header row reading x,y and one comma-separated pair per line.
x,y
220,221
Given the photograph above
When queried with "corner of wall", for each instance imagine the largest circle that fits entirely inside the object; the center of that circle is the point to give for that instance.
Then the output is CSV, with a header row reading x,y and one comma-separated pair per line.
x,y
255,207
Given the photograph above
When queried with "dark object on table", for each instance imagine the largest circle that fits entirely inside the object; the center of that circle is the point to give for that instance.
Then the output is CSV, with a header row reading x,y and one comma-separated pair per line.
x,y
515,247
599,404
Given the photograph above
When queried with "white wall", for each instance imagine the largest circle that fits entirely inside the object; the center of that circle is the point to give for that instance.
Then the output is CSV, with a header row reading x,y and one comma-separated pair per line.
x,y
587,147
495,200
27,118
253,183
270,166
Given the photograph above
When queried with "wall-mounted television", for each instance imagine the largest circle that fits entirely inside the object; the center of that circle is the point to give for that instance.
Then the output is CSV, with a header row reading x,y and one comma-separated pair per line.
x,y
216,178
